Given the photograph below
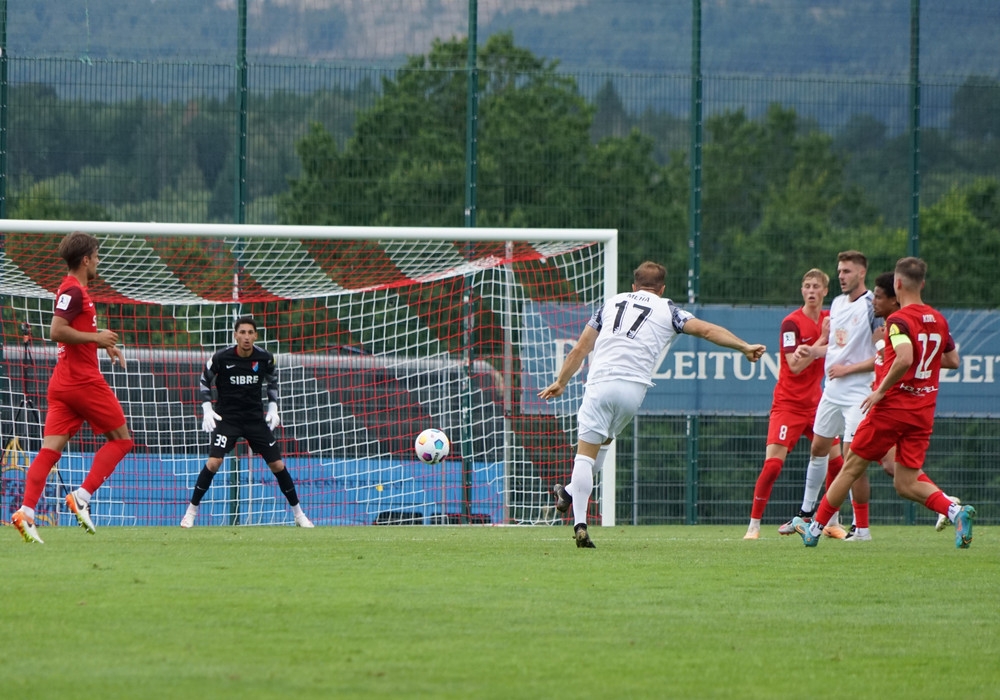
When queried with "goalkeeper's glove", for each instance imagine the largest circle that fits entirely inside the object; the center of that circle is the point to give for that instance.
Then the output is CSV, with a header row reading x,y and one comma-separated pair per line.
x,y
208,422
272,416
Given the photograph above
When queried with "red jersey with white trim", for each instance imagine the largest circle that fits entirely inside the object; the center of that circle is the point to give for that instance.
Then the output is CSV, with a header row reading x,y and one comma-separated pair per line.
x,y
76,364
802,391
916,392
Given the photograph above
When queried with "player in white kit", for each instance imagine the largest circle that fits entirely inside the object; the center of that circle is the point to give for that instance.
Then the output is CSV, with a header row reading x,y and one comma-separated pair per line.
x,y
849,368
627,335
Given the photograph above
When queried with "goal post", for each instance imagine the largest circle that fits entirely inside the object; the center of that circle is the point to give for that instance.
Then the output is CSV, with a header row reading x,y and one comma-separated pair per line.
x,y
378,333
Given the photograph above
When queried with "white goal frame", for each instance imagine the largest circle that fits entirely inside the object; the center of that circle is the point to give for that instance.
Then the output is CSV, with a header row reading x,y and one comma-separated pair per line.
x,y
607,237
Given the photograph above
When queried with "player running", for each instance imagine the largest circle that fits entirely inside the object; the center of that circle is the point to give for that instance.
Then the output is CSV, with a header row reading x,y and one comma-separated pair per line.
x,y
77,391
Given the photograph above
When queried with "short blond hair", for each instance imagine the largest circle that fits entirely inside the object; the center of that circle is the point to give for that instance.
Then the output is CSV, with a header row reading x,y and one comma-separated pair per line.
x,y
818,274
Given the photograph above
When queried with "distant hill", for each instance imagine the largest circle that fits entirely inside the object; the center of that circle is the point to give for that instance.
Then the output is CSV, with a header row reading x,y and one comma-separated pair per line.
x,y
766,37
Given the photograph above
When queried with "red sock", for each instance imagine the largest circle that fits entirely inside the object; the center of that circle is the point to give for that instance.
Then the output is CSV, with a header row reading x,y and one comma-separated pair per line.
x,y
938,502
926,479
105,461
765,482
860,514
833,468
824,512
38,473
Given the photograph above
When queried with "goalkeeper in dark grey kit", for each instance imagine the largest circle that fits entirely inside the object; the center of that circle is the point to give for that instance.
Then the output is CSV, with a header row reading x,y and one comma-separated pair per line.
x,y
238,373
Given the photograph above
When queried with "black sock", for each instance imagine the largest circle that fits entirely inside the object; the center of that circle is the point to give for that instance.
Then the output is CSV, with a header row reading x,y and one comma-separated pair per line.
x,y
806,513
287,486
202,485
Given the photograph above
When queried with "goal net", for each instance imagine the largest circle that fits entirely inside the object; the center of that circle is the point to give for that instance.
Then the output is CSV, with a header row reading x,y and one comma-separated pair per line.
x,y
378,333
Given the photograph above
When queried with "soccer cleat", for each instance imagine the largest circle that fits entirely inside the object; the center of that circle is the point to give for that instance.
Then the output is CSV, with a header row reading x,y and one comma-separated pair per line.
x,y
789,527
187,522
303,521
563,499
856,535
802,527
943,521
835,532
851,530
753,533
26,526
81,512
963,527
583,540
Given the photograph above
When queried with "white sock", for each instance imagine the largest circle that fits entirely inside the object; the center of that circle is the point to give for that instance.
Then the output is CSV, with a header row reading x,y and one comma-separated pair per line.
x,y
83,496
815,476
30,512
297,510
580,487
814,529
861,531
754,524
953,510
835,520
192,509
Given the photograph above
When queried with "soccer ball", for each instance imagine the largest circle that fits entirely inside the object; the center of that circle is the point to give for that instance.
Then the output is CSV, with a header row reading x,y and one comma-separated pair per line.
x,y
431,446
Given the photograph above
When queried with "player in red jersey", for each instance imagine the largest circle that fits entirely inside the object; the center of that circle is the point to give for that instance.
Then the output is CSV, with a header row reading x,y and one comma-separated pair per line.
x,y
900,412
77,391
799,387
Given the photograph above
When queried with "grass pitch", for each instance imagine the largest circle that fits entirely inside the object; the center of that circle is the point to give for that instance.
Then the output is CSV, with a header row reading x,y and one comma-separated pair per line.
x,y
459,612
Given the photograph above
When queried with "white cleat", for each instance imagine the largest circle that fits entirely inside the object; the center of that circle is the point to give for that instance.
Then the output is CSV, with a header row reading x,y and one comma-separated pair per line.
x,y
187,522
81,512
303,521
26,526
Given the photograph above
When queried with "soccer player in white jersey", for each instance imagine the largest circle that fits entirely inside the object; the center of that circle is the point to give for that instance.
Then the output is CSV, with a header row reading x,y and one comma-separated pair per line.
x,y
627,334
849,367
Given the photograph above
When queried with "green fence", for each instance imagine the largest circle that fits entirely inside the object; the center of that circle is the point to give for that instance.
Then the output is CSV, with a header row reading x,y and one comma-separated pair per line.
x,y
888,155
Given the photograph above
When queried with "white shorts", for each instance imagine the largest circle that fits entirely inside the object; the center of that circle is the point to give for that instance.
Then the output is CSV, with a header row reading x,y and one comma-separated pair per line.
x,y
833,419
607,408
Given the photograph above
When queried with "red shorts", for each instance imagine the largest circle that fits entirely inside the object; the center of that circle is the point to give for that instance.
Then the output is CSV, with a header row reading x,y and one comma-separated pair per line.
x,y
94,403
879,433
786,427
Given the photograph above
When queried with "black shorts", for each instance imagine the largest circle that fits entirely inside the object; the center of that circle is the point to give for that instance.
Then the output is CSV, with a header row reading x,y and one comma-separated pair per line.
x,y
255,432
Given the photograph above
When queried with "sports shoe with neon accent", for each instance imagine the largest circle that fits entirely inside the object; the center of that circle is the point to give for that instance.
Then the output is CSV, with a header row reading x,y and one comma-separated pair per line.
x,y
303,521
963,527
789,527
753,533
835,532
943,521
81,512
26,526
583,540
563,499
802,527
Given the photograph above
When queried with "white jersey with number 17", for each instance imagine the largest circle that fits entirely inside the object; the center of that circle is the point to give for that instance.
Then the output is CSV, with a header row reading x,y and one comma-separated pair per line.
x,y
634,329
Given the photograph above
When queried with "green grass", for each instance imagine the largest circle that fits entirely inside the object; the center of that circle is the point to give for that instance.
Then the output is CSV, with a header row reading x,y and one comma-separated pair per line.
x,y
460,612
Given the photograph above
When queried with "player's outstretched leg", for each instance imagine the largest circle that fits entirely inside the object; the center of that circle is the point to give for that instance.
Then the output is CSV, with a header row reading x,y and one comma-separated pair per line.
x,y
25,524
963,527
82,512
563,498
582,538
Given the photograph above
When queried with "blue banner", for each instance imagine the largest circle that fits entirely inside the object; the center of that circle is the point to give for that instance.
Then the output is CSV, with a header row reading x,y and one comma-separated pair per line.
x,y
697,377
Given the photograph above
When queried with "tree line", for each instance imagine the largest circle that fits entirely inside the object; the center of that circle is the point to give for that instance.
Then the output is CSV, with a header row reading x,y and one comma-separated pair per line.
x,y
779,193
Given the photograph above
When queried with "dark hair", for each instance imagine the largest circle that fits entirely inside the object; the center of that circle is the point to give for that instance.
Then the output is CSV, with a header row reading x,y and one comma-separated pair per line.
x,y
886,282
912,270
649,275
76,246
854,256
244,319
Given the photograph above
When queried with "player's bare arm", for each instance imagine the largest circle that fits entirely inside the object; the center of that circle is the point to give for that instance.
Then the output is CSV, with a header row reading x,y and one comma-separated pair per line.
x,y
725,338
574,360
838,371
62,332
